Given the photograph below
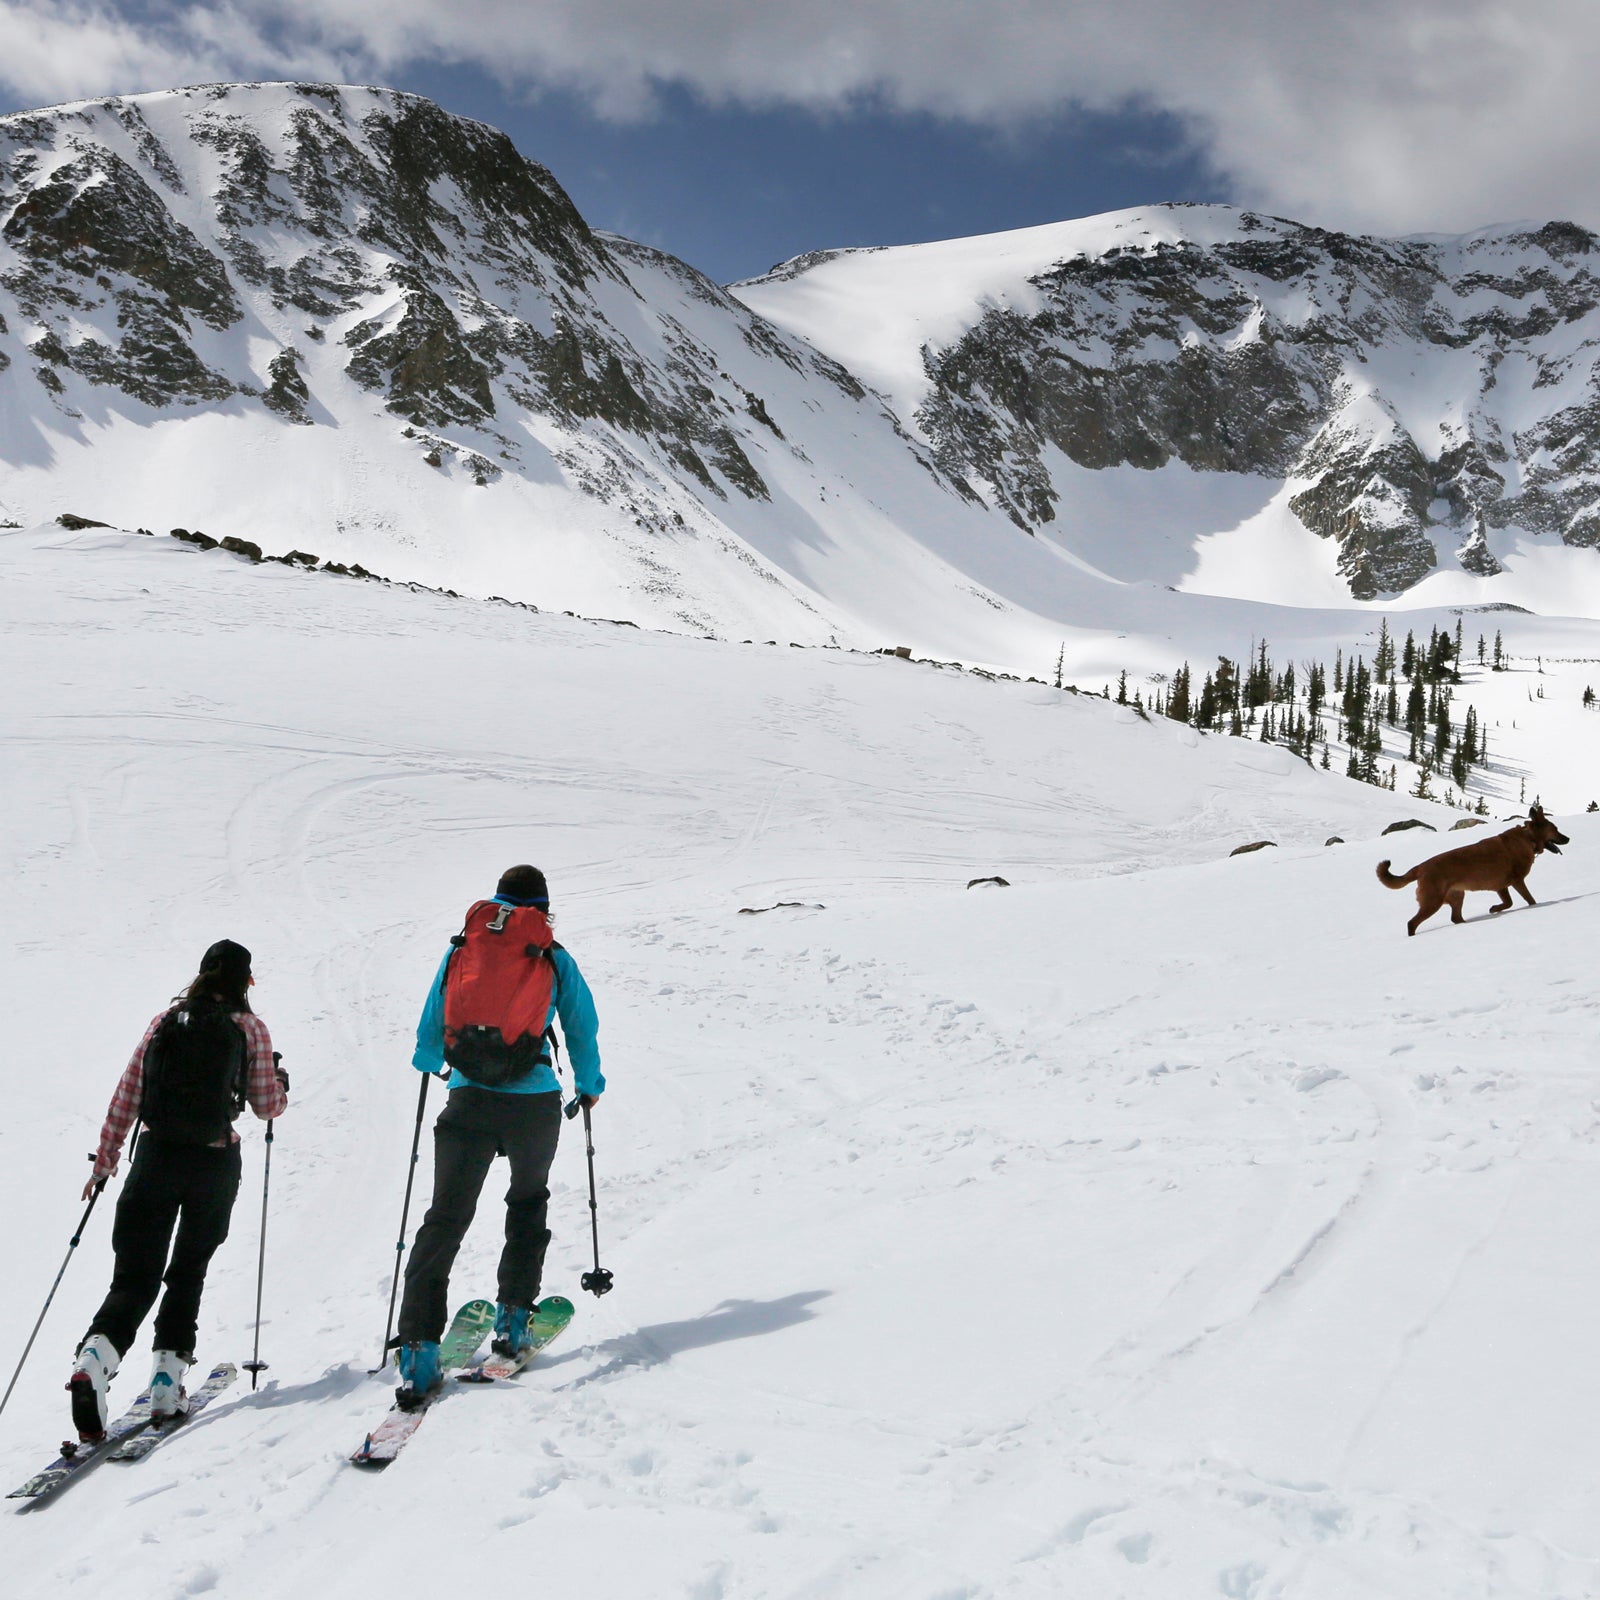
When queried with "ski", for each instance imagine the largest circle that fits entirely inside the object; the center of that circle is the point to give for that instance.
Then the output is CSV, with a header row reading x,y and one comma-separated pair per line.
x,y
456,1349
550,1318
77,1458
137,1446
130,1437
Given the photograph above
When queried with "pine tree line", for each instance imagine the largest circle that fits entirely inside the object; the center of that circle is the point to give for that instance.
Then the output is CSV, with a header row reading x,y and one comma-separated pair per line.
x,y
1404,695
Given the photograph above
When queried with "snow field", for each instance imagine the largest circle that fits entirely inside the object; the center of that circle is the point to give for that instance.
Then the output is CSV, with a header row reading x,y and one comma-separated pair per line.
x,y
1164,1225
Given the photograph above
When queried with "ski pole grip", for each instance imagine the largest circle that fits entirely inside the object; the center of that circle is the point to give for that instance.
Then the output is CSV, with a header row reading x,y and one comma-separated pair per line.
x,y
573,1107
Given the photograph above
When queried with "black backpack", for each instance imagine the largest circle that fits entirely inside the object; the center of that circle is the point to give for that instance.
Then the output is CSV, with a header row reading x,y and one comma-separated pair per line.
x,y
194,1075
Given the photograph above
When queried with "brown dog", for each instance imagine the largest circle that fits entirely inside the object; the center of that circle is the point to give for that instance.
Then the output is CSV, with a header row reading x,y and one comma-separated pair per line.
x,y
1500,864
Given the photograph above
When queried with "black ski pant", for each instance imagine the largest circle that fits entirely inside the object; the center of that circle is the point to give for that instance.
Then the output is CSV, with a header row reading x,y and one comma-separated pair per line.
x,y
476,1126
192,1188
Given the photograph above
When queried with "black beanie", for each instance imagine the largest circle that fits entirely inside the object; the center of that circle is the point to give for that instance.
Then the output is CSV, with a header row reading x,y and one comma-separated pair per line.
x,y
230,961
525,884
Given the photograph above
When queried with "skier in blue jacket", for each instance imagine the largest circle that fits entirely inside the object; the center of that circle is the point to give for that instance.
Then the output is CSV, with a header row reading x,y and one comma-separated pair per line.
x,y
520,1120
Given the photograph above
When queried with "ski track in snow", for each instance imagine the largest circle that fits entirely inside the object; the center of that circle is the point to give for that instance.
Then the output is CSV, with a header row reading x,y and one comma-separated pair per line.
x,y
1163,1226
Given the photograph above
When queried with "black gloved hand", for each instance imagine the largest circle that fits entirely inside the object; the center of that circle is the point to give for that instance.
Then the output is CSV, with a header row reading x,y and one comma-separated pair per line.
x,y
283,1079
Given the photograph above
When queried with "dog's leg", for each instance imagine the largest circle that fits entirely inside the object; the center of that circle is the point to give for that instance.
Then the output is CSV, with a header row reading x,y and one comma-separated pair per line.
x,y
1522,888
1455,905
1425,909
1505,903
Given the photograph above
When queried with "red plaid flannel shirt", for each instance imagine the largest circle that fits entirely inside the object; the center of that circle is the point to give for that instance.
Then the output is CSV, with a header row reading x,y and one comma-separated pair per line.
x,y
262,1089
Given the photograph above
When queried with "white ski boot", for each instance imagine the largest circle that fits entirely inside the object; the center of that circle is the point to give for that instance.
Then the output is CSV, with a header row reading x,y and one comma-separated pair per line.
x,y
97,1365
168,1401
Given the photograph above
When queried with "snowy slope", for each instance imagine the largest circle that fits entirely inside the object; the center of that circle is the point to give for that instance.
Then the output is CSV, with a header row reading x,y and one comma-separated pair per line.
x,y
1166,1224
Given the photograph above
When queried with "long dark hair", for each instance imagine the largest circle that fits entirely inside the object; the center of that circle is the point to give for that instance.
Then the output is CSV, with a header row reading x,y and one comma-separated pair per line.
x,y
218,988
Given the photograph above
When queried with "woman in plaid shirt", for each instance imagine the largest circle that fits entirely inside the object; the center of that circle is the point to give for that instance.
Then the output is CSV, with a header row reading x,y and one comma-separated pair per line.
x,y
180,1179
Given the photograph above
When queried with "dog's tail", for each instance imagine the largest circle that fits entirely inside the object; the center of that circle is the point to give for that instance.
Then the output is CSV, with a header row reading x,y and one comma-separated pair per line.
x,y
1388,879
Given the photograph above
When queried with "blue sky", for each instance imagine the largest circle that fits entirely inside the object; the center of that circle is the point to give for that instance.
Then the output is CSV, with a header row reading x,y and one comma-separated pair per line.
x,y
734,191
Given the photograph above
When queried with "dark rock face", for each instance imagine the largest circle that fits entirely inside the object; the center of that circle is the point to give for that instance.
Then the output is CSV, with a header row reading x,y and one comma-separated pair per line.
x,y
1372,500
96,245
287,393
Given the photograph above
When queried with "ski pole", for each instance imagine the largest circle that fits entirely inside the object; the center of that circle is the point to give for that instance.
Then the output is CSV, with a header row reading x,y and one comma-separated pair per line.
x,y
597,1282
255,1366
83,1222
400,1243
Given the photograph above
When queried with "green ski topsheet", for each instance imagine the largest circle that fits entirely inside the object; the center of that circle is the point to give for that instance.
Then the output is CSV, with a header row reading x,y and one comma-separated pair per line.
x,y
550,1317
459,1345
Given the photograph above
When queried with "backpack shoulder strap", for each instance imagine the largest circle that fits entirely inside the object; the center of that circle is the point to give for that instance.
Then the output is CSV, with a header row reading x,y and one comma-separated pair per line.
x,y
241,1080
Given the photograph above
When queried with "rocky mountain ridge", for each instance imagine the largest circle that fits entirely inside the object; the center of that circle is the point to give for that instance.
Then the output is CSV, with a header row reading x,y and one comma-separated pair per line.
x,y
1416,395
343,319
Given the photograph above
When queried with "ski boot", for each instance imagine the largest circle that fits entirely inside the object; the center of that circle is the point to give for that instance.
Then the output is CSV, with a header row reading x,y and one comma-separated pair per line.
x,y
512,1335
420,1374
98,1360
168,1399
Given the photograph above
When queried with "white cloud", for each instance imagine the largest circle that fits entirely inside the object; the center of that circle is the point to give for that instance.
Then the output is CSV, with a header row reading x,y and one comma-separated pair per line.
x,y
57,50
1394,114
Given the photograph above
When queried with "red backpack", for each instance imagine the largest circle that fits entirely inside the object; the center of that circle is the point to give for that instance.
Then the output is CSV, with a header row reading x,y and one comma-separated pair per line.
x,y
497,992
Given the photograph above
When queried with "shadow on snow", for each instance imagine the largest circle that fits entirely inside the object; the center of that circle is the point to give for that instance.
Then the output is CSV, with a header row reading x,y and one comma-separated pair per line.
x,y
659,1343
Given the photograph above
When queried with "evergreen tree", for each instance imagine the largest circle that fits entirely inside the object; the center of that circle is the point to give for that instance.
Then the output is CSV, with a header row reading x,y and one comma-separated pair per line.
x,y
1178,695
1408,658
1227,684
1383,660
1416,711
1499,653
1122,688
1480,649
1371,749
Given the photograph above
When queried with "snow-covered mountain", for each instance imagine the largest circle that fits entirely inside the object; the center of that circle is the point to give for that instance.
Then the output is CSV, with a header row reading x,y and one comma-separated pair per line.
x,y
1422,404
342,321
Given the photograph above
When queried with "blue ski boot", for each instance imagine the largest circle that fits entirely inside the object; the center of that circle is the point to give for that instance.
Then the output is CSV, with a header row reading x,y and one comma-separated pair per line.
x,y
420,1374
511,1332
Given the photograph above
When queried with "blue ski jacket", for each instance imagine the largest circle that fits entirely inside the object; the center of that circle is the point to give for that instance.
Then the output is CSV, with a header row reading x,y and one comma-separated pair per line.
x,y
580,1027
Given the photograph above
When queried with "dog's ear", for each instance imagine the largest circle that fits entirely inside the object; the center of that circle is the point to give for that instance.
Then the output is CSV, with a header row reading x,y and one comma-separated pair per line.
x,y
1537,813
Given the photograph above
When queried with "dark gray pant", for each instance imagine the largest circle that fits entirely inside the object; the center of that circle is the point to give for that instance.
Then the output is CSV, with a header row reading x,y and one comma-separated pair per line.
x,y
476,1126
188,1187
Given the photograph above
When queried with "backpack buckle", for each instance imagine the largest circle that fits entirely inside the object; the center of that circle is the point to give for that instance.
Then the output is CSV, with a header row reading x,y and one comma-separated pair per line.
x,y
502,915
